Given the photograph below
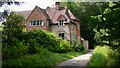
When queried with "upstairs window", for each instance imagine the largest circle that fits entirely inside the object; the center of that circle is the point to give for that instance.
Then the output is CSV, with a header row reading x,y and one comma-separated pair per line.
x,y
36,23
61,23
61,35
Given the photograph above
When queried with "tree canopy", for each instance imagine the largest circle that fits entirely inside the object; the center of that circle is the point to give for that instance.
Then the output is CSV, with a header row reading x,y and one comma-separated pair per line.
x,y
4,15
99,21
12,28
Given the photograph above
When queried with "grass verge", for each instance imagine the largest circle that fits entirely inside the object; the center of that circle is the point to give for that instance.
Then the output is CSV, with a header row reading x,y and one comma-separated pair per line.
x,y
42,58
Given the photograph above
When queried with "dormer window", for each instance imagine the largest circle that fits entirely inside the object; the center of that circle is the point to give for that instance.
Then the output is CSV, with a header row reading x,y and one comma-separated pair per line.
x,y
36,23
61,23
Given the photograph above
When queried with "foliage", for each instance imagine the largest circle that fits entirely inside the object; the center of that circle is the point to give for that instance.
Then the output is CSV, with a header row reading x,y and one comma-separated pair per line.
x,y
102,57
64,46
12,28
83,11
16,51
4,15
10,2
78,48
46,40
17,43
100,23
109,32
32,46
42,58
116,57
12,44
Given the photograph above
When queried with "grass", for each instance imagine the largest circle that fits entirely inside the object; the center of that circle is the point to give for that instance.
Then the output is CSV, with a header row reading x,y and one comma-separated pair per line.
x,y
100,56
43,58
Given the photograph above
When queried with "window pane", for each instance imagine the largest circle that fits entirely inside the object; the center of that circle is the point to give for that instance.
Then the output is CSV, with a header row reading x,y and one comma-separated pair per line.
x,y
34,23
61,22
31,23
61,35
38,23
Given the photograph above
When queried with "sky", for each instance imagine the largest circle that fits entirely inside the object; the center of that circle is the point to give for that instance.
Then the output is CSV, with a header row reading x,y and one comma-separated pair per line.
x,y
30,4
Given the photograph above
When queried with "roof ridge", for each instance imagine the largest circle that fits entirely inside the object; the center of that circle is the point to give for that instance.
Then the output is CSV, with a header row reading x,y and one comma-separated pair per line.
x,y
43,11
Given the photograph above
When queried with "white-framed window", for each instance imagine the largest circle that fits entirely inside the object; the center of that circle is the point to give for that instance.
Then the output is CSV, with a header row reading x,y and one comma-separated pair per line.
x,y
61,23
61,35
36,23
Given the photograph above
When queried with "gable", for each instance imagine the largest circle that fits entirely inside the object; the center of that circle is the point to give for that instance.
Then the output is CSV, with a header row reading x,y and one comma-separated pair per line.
x,y
62,13
38,14
62,17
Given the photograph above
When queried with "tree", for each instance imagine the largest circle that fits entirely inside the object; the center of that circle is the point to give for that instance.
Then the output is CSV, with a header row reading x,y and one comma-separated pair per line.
x,y
4,15
12,29
10,2
83,11
107,30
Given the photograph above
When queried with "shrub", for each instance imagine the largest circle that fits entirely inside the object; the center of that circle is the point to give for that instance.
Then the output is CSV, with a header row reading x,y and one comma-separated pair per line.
x,y
18,50
78,48
64,47
47,40
116,57
100,56
32,46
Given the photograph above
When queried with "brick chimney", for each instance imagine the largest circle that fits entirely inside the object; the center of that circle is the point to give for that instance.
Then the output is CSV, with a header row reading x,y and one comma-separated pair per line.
x,y
57,5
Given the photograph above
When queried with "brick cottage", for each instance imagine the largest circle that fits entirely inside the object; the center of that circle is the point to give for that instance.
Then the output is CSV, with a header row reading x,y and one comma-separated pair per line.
x,y
57,20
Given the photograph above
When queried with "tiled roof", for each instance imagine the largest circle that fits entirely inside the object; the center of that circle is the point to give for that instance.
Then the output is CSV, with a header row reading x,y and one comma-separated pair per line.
x,y
43,11
51,13
25,14
54,14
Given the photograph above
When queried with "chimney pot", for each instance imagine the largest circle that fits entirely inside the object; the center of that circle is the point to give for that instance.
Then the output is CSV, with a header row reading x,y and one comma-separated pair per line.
x,y
57,5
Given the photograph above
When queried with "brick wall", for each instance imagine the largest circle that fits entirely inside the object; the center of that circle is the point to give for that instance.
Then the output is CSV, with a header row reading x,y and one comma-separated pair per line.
x,y
37,14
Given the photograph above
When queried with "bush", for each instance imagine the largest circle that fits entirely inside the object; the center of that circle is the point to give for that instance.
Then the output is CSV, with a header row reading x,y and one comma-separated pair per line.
x,y
32,46
16,51
47,40
78,48
101,56
63,47
116,57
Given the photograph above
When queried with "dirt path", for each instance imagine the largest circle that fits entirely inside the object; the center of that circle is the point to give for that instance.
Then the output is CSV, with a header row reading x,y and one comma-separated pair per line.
x,y
77,61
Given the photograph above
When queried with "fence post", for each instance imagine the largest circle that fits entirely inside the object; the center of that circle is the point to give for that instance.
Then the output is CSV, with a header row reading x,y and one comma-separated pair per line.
x,y
85,44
